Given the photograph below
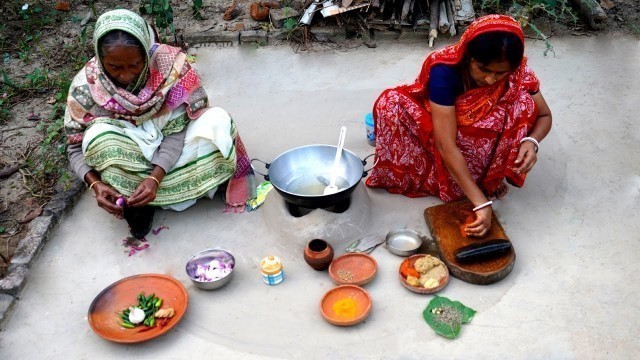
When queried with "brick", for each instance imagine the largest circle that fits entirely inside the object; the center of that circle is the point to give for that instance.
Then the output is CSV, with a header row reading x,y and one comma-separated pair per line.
x,y
253,36
278,16
212,37
14,281
29,247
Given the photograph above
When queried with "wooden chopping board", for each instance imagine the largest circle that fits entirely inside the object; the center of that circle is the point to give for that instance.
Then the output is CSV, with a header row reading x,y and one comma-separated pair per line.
x,y
445,223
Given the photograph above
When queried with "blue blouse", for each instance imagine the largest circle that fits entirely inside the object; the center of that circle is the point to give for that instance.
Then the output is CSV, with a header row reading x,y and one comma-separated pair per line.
x,y
445,84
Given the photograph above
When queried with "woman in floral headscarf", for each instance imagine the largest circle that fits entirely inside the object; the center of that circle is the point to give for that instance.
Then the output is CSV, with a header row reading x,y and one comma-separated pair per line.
x,y
138,127
473,119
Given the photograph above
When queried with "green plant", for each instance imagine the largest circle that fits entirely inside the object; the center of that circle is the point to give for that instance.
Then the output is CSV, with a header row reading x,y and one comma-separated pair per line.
x,y
47,163
25,47
525,10
635,28
162,14
289,23
197,6
38,78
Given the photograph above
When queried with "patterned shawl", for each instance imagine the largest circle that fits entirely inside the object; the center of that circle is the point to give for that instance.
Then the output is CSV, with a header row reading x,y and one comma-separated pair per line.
x,y
167,83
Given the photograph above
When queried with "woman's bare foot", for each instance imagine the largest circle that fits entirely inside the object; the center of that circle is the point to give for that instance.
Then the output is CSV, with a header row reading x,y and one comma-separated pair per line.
x,y
501,192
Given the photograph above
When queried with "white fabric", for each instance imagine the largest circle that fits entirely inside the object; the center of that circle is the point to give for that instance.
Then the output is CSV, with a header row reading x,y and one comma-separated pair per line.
x,y
147,135
214,126
211,131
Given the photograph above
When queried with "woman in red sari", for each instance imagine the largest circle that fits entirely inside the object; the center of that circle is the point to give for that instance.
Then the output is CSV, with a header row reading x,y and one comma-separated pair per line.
x,y
473,118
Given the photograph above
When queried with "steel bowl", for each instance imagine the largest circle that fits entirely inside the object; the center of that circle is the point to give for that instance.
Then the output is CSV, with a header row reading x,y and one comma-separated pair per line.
x,y
204,257
403,242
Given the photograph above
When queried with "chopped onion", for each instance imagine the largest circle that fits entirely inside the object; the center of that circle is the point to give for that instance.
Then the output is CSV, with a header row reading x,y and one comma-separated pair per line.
x,y
214,270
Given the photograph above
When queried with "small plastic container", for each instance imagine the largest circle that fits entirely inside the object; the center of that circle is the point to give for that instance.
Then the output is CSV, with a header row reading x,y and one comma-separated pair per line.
x,y
371,129
271,268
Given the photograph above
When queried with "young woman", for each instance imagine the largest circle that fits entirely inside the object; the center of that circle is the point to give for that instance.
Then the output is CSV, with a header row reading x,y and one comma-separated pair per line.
x,y
132,130
473,119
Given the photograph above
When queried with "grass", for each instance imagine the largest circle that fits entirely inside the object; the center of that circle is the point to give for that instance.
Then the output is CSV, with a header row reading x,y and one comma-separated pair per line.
x,y
21,39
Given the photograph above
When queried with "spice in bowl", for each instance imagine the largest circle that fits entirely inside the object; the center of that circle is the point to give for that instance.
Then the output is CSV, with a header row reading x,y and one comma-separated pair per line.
x,y
345,275
345,308
345,305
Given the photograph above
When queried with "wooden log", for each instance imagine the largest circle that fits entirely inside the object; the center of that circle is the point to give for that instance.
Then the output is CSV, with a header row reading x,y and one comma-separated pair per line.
x,y
405,9
452,23
445,222
443,21
592,12
433,24
465,14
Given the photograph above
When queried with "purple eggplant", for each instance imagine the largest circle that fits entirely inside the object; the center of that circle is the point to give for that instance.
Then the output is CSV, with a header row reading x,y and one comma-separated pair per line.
x,y
481,251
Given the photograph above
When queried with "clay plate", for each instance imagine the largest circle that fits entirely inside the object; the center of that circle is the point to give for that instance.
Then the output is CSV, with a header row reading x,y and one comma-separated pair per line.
x,y
421,290
103,312
358,294
362,266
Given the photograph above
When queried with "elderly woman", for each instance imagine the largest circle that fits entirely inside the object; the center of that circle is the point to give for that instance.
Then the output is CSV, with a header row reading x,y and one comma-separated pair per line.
x,y
138,128
474,118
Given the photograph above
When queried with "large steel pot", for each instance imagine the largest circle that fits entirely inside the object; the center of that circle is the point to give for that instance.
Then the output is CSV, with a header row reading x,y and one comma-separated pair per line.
x,y
301,174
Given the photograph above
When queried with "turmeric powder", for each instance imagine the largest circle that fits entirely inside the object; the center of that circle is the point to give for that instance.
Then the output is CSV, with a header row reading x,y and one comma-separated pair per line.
x,y
345,308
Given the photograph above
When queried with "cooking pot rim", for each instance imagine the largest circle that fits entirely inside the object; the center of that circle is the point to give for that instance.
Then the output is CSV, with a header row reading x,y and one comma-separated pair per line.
x,y
315,146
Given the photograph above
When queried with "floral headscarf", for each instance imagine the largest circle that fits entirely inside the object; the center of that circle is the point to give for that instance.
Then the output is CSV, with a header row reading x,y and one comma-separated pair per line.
x,y
167,83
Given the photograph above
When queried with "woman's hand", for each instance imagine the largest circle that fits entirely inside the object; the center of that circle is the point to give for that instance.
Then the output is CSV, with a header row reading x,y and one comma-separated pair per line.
x,y
444,131
481,225
106,197
527,157
144,193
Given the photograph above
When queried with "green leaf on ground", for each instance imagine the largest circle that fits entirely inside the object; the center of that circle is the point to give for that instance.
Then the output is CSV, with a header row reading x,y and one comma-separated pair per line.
x,y
446,317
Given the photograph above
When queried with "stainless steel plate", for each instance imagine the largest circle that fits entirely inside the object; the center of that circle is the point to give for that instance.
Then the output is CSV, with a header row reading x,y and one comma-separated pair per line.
x,y
403,242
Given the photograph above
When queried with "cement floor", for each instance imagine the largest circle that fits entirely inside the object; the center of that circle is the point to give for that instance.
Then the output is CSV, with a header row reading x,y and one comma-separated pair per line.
x,y
572,294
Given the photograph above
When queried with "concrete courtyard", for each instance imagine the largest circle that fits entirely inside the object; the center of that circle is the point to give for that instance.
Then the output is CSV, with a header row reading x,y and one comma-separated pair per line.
x,y
573,293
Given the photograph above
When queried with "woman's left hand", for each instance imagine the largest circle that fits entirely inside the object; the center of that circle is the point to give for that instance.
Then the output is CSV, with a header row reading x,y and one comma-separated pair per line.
x,y
144,194
527,157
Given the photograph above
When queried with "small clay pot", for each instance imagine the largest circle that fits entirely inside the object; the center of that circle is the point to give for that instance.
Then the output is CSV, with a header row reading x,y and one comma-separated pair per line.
x,y
318,254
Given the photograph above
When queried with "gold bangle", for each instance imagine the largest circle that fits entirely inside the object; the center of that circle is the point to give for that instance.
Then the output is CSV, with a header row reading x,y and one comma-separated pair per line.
x,y
154,179
93,183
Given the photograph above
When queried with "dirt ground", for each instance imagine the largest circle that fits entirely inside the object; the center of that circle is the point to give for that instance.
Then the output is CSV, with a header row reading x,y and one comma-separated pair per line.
x,y
43,49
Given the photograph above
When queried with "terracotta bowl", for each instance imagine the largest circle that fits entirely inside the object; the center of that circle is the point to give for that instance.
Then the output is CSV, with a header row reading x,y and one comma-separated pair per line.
x,y
362,305
419,289
353,269
103,312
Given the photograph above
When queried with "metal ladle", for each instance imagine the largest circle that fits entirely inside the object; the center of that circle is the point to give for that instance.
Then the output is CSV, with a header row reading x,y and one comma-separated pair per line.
x,y
332,188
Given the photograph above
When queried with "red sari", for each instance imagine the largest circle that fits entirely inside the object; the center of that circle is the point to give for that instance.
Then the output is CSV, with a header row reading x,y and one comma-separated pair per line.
x,y
491,121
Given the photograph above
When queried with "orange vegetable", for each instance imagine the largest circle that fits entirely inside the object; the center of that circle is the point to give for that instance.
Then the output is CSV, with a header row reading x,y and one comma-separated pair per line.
x,y
407,270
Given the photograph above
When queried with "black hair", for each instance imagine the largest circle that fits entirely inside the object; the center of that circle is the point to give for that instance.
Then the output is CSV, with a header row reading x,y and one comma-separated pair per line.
x,y
118,38
496,46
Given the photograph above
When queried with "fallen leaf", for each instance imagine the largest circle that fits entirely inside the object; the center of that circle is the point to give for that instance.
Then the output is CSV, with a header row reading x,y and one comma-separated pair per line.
x,y
32,214
607,4
63,6
51,100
